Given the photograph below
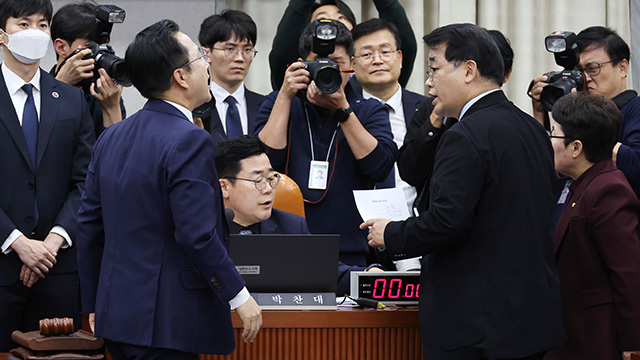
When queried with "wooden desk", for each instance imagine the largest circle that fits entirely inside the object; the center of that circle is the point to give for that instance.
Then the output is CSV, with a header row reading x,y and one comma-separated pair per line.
x,y
331,335
635,356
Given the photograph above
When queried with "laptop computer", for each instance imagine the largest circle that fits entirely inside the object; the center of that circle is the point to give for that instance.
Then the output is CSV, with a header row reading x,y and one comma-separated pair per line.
x,y
287,263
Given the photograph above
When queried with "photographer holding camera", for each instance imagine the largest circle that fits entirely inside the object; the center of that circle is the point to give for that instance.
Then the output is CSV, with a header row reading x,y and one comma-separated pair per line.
x,y
73,29
604,62
345,137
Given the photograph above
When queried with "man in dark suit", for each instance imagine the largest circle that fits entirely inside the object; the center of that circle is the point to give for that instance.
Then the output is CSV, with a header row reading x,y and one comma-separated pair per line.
x,y
489,287
152,243
597,239
377,64
46,136
229,40
241,162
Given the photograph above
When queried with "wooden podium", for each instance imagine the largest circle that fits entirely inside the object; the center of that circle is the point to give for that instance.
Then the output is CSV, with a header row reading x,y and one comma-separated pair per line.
x,y
346,333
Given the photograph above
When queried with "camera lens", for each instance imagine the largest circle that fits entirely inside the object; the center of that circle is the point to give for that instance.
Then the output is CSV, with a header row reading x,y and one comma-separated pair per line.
x,y
554,91
328,79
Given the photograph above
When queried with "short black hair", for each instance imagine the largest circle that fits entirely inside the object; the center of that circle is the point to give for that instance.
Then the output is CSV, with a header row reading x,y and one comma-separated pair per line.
x,y
228,24
606,38
343,8
505,49
229,153
374,25
20,8
74,21
153,56
469,42
591,118
343,38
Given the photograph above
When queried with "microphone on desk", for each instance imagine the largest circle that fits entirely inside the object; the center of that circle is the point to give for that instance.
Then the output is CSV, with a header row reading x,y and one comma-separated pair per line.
x,y
229,215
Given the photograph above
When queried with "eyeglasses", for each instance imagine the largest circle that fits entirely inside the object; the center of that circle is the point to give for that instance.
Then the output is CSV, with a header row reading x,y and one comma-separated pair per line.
x,y
203,54
593,68
261,181
231,52
430,71
385,55
554,136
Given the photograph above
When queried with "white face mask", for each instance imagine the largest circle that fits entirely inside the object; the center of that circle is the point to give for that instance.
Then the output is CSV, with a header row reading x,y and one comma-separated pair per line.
x,y
28,46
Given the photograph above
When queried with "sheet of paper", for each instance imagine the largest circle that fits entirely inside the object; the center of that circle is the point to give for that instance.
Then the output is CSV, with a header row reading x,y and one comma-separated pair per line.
x,y
381,203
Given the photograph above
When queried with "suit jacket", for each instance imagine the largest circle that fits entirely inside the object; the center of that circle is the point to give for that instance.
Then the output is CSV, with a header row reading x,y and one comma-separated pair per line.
x,y
490,283
411,103
65,138
213,124
152,245
597,251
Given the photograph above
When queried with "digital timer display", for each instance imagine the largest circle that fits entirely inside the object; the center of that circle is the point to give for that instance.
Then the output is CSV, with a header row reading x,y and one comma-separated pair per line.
x,y
389,287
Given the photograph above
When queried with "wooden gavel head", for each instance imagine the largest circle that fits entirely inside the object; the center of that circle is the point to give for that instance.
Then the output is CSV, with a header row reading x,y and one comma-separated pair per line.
x,y
56,326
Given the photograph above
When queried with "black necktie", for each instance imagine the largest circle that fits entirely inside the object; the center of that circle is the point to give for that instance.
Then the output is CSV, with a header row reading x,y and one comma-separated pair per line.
x,y
30,123
234,127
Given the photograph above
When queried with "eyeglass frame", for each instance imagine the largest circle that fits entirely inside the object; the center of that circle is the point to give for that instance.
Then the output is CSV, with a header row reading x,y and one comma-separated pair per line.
x,y
261,181
587,70
203,54
236,50
367,58
554,136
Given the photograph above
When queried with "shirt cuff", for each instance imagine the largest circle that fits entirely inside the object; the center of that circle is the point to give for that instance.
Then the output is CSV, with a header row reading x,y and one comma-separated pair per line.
x,y
62,232
242,297
6,246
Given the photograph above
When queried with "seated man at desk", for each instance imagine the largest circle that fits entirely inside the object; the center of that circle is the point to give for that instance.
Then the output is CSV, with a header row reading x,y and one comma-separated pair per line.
x,y
248,185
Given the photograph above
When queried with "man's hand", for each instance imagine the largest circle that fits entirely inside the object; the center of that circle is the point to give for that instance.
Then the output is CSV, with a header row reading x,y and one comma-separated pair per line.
x,y
75,69
536,89
333,102
251,317
108,93
92,322
436,120
614,155
35,255
296,78
27,276
376,231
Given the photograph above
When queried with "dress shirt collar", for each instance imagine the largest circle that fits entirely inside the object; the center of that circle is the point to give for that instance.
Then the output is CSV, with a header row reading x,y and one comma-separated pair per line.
x,y
219,93
473,101
182,109
394,102
15,82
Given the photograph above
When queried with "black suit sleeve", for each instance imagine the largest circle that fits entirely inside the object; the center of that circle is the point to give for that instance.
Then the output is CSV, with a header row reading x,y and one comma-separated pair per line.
x,y
455,189
393,12
416,156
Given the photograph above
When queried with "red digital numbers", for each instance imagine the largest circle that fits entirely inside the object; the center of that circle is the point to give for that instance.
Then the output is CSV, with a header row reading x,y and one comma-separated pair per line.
x,y
395,289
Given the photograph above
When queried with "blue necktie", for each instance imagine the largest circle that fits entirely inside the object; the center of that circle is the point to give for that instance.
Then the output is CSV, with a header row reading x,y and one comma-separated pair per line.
x,y
234,127
30,123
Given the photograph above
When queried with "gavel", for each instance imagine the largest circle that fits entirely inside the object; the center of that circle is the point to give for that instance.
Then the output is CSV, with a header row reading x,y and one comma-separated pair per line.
x,y
56,326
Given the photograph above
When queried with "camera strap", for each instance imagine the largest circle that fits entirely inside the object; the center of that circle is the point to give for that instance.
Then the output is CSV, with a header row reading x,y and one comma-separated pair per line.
x,y
318,169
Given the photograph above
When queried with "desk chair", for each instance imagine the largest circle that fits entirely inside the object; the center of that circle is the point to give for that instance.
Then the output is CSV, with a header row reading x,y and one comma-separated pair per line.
x,y
288,196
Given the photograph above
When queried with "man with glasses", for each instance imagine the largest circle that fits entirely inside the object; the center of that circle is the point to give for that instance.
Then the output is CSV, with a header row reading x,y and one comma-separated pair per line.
x,y
345,136
248,185
604,59
230,39
152,242
378,62
489,287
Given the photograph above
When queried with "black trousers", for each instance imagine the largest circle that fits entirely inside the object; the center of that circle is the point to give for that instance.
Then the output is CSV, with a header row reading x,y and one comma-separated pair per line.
x,y
21,308
122,351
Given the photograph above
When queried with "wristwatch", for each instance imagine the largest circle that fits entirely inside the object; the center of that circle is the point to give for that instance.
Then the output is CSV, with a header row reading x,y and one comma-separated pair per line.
x,y
342,114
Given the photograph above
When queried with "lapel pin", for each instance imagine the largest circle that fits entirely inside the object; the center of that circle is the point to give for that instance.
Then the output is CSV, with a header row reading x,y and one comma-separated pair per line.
x,y
55,95
573,205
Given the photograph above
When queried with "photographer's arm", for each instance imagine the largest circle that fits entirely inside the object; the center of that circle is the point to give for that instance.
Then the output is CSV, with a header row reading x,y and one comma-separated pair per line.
x,y
108,95
361,142
274,132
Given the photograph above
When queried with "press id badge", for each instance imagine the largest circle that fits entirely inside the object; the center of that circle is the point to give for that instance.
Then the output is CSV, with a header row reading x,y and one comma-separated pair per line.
x,y
318,171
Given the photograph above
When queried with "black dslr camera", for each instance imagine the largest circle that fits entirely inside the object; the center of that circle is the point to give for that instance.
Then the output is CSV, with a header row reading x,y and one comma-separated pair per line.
x,y
101,52
565,50
323,71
